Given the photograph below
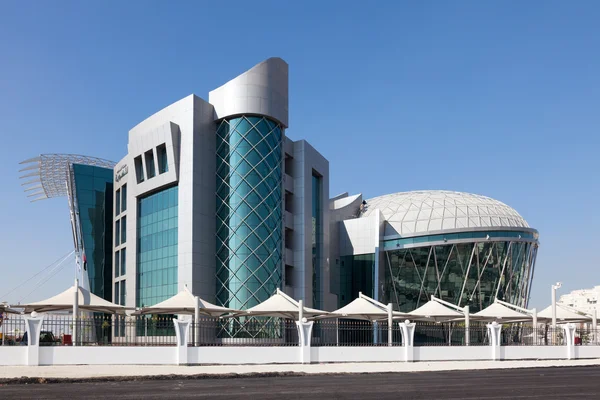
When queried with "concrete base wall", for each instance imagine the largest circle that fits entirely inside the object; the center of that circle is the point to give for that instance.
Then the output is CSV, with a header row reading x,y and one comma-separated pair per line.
x,y
124,355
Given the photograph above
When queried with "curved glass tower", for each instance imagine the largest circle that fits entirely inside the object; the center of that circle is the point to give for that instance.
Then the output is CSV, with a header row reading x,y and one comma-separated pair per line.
x,y
249,210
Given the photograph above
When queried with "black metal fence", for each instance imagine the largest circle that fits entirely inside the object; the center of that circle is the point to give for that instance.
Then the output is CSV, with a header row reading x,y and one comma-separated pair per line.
x,y
107,330
346,332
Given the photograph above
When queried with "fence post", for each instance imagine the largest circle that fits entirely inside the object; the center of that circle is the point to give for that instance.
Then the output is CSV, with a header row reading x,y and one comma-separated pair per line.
x,y
182,332
33,325
407,330
305,336
570,340
494,330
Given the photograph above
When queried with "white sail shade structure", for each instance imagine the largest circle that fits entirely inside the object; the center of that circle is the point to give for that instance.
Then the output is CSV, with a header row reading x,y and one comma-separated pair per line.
x,y
365,308
279,305
185,302
563,314
499,312
65,301
5,309
434,311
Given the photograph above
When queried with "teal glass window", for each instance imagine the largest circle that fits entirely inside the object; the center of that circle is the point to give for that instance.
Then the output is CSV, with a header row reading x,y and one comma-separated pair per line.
x,y
118,232
150,169
157,241
117,297
117,264
124,198
139,169
249,210
356,275
123,261
161,154
123,293
93,189
399,243
117,202
123,229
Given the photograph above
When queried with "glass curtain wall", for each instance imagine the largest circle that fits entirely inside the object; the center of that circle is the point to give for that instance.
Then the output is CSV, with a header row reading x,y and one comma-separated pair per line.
x,y
157,247
356,275
93,190
463,273
249,210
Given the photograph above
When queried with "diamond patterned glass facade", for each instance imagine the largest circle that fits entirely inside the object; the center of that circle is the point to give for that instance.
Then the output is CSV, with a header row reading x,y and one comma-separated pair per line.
x,y
472,273
157,241
249,210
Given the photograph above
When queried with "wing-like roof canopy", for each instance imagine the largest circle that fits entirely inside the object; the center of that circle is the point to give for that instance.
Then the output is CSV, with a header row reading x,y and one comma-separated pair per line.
x,y
46,175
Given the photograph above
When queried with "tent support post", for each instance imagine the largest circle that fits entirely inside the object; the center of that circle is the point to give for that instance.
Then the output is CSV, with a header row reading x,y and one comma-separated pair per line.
x,y
390,322
76,312
467,326
196,320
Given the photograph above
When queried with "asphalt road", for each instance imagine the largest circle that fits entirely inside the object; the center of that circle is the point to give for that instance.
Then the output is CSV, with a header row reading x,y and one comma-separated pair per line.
x,y
534,383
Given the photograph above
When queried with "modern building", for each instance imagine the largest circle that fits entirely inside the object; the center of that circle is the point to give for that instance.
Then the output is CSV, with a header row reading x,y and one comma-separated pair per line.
x,y
403,248
585,300
214,195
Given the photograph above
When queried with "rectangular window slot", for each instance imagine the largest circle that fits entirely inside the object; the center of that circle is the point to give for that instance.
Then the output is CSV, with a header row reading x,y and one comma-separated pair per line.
x,y
117,233
150,169
123,261
123,293
161,154
117,268
118,202
123,198
123,229
139,169
117,298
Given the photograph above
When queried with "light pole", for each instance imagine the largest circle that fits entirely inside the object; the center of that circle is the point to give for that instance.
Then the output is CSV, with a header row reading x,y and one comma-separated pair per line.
x,y
554,287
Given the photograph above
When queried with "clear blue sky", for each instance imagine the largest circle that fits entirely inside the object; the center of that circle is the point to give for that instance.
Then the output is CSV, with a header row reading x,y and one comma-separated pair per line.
x,y
497,98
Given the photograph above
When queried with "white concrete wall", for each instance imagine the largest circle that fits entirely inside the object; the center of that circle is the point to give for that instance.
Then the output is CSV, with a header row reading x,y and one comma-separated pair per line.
x,y
106,355
13,355
243,355
66,355
356,354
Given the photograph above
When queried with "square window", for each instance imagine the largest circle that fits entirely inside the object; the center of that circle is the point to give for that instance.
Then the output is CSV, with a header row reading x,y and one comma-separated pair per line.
x,y
150,168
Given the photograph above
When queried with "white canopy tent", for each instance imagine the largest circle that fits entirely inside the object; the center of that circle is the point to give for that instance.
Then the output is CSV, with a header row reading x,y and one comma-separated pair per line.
x,y
5,309
185,302
365,308
67,300
280,305
500,312
435,311
563,314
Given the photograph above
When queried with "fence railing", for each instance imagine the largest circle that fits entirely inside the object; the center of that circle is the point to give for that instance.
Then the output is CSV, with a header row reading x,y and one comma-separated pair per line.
x,y
105,330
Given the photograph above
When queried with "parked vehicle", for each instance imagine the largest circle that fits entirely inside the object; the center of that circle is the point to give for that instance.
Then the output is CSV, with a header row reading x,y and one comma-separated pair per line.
x,y
47,338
